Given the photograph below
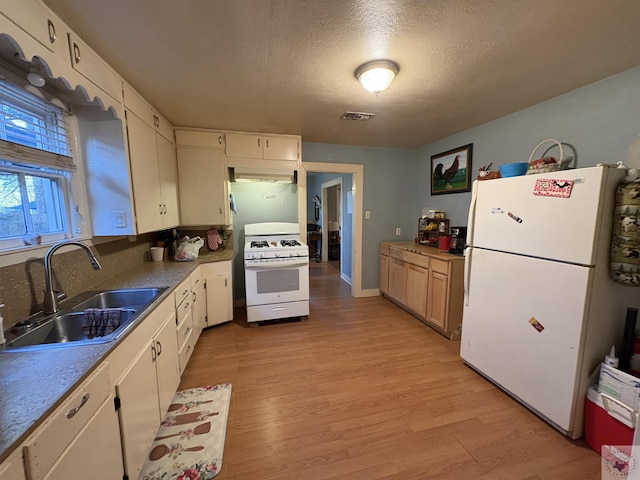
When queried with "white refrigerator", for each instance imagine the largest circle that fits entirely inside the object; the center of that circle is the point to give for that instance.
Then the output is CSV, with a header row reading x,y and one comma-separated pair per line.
x,y
540,311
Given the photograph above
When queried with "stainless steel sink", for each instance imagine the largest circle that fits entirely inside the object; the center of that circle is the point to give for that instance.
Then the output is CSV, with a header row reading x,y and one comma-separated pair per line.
x,y
120,298
64,328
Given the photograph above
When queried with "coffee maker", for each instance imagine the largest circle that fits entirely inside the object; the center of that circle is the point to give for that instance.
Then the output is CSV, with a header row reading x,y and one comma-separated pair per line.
x,y
458,239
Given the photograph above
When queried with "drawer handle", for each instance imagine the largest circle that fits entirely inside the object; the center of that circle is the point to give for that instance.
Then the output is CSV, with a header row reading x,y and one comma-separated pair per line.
x,y
52,31
71,413
188,348
186,331
76,53
187,305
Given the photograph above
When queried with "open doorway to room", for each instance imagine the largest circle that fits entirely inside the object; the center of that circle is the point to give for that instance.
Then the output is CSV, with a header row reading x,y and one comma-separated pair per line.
x,y
330,215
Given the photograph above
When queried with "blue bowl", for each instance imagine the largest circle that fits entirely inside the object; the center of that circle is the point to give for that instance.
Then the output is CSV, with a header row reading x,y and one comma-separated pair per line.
x,y
513,169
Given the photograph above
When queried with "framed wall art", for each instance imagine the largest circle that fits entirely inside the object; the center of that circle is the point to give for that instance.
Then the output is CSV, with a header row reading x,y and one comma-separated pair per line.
x,y
451,171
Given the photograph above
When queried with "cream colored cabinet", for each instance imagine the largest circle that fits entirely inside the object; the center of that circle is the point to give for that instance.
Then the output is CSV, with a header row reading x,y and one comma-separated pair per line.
x,y
199,301
219,291
82,435
383,277
185,330
13,467
93,68
154,176
203,178
39,22
145,390
267,147
425,282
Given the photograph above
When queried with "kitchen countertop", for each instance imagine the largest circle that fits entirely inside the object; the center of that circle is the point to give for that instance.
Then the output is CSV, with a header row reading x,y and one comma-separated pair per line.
x,y
34,383
424,250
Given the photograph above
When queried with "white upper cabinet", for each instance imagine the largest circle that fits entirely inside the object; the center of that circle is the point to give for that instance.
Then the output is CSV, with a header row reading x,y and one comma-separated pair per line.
x,y
93,68
39,22
203,178
153,165
267,147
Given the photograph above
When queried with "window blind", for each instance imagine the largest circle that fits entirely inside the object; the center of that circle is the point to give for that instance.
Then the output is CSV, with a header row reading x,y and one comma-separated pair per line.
x,y
32,131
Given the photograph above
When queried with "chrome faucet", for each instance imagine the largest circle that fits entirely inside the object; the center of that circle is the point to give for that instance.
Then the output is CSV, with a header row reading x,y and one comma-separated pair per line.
x,y
51,297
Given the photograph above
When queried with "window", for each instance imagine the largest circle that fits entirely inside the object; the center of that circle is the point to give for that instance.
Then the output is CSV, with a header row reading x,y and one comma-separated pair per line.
x,y
35,170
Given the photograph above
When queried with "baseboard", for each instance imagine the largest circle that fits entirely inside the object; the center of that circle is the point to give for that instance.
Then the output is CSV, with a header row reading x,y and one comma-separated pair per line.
x,y
345,278
370,292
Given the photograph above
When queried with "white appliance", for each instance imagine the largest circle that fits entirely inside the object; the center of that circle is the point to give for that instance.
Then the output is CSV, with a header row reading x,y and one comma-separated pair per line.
x,y
276,268
540,310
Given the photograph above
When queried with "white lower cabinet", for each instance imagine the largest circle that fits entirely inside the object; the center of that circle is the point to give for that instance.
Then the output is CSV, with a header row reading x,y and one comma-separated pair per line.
x,y
199,301
13,467
144,393
82,434
218,284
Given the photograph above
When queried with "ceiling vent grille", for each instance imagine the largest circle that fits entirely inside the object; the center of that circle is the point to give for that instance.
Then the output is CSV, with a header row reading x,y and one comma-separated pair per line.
x,y
357,116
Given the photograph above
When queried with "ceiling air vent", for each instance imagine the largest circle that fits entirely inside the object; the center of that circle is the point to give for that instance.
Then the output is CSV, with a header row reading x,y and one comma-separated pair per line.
x,y
357,116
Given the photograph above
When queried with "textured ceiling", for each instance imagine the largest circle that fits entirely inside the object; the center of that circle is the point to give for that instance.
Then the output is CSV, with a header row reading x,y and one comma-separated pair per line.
x,y
287,66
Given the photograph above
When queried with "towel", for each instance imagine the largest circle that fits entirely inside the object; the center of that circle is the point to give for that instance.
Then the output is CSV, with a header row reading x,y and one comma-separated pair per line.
x,y
232,203
97,322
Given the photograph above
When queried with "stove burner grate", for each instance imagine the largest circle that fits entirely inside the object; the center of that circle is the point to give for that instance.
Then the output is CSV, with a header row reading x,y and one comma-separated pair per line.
x,y
259,244
290,243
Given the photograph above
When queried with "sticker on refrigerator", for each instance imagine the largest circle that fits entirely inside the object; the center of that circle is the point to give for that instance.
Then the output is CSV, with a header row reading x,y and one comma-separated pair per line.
x,y
553,187
536,324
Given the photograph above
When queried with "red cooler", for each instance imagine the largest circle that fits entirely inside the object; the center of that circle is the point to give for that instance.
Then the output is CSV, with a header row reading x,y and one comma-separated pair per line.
x,y
607,422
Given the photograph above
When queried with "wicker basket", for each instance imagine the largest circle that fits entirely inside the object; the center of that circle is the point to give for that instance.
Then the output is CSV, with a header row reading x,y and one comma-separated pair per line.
x,y
560,164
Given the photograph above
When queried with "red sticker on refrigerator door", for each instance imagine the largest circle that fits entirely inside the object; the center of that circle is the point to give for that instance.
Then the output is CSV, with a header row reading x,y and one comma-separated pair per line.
x,y
553,187
537,325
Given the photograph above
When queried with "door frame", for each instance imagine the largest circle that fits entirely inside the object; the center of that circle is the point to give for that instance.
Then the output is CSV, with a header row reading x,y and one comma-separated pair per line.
x,y
325,222
357,173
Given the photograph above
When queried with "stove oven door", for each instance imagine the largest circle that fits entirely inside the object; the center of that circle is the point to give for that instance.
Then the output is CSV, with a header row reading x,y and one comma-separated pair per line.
x,y
277,282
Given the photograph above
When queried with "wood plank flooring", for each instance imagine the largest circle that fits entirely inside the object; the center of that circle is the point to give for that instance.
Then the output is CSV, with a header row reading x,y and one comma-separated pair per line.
x,y
363,390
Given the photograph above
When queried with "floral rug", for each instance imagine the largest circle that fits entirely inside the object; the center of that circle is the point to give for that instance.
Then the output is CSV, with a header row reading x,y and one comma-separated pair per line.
x,y
190,441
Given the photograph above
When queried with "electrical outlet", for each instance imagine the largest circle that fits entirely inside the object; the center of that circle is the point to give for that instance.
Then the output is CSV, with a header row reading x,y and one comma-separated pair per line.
x,y
367,215
398,231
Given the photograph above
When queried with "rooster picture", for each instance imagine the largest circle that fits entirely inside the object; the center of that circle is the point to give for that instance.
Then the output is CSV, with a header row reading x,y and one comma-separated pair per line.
x,y
448,174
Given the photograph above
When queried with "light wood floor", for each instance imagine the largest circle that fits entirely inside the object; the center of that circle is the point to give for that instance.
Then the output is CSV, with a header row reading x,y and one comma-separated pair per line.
x,y
363,390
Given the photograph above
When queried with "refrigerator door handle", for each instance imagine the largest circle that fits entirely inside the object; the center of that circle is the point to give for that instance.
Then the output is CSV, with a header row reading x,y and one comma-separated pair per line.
x,y
467,273
472,213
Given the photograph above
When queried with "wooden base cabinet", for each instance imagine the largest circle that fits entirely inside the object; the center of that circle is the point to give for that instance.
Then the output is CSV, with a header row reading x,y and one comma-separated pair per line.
x,y
425,282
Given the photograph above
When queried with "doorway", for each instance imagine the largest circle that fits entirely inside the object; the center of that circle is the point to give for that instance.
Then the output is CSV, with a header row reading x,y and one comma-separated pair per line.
x,y
332,225
353,203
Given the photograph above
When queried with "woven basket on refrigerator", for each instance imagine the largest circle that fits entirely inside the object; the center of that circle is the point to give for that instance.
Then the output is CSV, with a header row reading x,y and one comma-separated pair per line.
x,y
560,164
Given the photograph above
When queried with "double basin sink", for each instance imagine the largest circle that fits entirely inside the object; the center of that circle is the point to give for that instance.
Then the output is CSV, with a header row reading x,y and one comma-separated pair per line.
x,y
66,326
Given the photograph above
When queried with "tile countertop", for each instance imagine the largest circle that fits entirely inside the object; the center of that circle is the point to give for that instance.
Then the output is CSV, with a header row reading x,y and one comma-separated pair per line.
x,y
34,383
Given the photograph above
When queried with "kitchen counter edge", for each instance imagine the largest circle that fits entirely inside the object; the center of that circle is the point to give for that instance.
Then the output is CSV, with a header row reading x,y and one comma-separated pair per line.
x,y
34,383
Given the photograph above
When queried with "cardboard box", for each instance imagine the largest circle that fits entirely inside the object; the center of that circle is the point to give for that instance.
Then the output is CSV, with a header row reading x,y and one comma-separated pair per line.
x,y
620,386
606,423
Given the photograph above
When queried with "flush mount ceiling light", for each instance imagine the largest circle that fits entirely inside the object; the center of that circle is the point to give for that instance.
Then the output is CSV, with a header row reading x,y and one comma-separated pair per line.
x,y
34,78
377,75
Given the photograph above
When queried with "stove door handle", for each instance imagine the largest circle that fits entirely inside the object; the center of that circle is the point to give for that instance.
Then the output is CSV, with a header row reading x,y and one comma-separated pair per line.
x,y
256,266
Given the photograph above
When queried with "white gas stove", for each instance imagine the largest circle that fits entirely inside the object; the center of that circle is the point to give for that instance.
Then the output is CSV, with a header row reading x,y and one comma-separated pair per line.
x,y
276,271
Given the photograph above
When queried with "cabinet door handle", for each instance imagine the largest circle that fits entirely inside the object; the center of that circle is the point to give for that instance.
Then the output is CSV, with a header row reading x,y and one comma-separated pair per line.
x,y
158,347
225,282
258,141
220,209
153,352
52,31
71,413
219,139
266,143
76,53
195,297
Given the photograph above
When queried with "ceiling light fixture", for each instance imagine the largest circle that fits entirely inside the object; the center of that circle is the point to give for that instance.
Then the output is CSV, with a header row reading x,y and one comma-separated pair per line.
x,y
377,75
35,78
